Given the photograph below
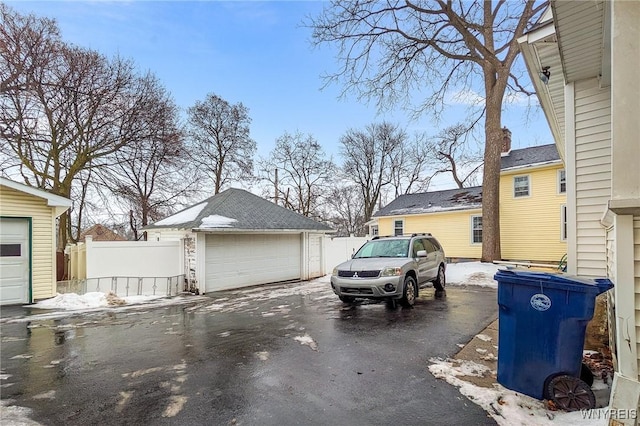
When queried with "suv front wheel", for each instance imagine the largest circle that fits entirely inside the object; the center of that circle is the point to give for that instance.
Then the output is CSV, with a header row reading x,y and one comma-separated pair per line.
x,y
410,292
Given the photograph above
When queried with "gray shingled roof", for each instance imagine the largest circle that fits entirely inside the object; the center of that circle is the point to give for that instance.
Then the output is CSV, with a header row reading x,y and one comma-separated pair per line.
x,y
432,202
466,198
529,156
237,209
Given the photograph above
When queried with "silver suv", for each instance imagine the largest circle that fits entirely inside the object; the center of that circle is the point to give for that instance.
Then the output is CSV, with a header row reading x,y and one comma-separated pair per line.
x,y
391,268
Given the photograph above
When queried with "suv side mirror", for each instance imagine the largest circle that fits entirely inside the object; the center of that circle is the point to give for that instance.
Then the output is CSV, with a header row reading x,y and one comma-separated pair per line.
x,y
421,253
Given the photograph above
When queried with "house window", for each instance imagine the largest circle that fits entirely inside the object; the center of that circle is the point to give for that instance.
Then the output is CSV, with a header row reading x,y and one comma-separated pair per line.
x,y
563,222
373,230
476,229
398,227
521,186
562,181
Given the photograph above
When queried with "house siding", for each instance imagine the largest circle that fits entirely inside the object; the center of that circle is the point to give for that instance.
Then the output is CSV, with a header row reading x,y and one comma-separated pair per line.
x,y
530,227
592,175
18,204
451,229
636,274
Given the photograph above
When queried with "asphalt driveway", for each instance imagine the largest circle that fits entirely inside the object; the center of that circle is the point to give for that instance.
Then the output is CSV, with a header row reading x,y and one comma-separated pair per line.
x,y
281,355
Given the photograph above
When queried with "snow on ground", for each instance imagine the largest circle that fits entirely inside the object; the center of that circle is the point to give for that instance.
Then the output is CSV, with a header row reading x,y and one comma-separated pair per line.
x,y
95,299
64,305
472,273
509,408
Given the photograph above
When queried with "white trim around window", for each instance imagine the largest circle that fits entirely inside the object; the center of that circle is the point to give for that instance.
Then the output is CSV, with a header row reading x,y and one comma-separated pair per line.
x,y
373,230
475,236
562,181
521,186
563,222
398,224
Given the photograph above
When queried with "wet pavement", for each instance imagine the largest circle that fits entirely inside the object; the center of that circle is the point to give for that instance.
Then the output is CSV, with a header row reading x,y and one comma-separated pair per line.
x,y
280,355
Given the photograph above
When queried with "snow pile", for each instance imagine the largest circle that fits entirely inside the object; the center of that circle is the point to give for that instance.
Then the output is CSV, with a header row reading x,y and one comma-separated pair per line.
x,y
216,221
91,300
472,273
507,407
184,216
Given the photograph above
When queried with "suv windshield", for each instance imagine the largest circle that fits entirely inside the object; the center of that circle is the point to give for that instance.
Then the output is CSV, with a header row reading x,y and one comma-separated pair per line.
x,y
383,248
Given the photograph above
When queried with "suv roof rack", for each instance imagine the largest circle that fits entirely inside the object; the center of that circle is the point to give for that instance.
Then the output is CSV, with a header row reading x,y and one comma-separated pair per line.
x,y
425,234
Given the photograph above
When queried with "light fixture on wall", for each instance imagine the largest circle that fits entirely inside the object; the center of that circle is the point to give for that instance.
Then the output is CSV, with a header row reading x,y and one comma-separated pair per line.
x,y
545,74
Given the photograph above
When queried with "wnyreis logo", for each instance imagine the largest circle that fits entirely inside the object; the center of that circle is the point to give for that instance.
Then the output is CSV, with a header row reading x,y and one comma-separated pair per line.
x,y
610,414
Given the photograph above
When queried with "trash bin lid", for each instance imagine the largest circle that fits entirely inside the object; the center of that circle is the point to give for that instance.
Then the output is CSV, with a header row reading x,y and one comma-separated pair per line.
x,y
558,280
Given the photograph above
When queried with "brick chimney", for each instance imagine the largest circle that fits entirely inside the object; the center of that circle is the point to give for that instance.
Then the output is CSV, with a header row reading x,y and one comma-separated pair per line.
x,y
506,140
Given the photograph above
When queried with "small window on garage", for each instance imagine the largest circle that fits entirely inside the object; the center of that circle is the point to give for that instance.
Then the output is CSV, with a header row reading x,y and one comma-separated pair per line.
x,y
373,230
398,227
10,250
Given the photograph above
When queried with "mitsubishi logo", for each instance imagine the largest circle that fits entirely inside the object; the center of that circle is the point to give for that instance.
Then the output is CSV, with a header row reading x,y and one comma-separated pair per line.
x,y
355,275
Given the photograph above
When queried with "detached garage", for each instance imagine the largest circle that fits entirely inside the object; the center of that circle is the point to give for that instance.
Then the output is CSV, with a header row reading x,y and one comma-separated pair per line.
x,y
27,242
237,239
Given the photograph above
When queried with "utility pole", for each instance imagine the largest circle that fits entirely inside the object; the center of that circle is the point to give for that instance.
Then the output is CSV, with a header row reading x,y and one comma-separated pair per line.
x,y
276,187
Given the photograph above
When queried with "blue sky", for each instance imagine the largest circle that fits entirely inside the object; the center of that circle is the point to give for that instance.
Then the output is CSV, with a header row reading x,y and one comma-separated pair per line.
x,y
255,52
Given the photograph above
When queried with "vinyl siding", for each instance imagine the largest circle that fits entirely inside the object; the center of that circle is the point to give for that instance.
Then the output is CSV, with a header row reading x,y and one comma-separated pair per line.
x,y
636,274
451,229
18,204
530,227
593,175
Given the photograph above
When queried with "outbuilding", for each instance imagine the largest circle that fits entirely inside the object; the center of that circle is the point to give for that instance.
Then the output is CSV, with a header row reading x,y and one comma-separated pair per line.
x,y
28,242
237,239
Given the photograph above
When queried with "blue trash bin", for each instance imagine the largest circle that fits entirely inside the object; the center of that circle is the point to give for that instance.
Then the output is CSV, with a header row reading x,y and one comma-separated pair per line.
x,y
542,323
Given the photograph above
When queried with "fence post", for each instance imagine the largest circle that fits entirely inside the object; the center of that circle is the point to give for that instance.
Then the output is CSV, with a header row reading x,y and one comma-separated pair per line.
x,y
139,286
114,284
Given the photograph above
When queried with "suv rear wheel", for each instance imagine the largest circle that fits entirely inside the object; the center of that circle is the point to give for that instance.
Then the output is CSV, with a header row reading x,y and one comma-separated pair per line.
x,y
409,293
440,280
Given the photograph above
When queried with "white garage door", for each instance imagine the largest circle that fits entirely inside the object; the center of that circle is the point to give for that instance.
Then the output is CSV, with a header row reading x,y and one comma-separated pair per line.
x,y
240,260
14,261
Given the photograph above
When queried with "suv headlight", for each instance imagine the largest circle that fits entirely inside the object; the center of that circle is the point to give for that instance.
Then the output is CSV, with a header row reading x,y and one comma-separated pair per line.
x,y
335,272
391,272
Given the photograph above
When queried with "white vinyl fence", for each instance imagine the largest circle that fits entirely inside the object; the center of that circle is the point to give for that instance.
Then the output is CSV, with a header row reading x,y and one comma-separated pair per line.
x,y
128,268
339,249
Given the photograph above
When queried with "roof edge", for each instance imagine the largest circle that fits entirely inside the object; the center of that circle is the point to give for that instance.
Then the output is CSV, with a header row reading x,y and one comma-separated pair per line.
x,y
53,200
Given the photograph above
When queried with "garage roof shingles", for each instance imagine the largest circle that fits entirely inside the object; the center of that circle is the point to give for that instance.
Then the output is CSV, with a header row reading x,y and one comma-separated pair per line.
x,y
247,212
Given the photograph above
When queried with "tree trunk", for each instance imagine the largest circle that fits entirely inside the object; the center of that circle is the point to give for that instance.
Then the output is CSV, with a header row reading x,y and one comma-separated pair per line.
x,y
491,185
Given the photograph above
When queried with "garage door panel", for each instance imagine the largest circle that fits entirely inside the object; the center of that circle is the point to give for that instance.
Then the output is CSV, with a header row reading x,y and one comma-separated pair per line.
x,y
240,260
14,261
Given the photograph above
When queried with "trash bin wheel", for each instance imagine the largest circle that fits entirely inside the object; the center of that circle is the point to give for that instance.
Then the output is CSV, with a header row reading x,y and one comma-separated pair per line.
x,y
570,393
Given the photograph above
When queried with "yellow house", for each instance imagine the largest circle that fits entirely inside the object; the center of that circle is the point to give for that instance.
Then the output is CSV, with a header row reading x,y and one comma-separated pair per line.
x,y
27,242
532,211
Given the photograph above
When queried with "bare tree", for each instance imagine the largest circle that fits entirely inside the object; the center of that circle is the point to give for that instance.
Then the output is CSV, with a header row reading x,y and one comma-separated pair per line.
x,y
412,166
220,142
456,155
369,159
65,113
27,44
346,213
149,176
304,173
390,51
